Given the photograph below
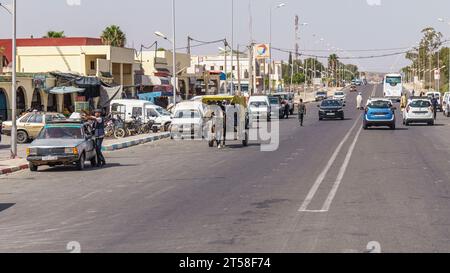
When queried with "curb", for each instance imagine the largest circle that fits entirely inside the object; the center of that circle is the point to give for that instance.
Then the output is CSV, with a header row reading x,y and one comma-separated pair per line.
x,y
14,169
127,144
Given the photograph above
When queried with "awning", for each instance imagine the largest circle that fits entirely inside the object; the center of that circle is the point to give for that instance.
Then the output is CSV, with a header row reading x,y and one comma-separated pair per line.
x,y
154,80
65,90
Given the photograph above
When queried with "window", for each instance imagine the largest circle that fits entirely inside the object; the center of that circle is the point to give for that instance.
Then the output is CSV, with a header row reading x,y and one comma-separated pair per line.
x,y
92,65
221,68
234,67
212,68
152,113
32,119
25,118
137,112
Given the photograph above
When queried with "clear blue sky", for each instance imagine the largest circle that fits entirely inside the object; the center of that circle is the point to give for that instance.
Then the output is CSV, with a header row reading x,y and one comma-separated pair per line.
x,y
344,24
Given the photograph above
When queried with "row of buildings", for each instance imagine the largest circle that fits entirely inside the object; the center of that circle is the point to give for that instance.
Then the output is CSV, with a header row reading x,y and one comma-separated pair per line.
x,y
47,68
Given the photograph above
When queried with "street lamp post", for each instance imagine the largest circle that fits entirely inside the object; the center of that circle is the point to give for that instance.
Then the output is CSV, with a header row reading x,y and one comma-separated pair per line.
x,y
13,85
270,43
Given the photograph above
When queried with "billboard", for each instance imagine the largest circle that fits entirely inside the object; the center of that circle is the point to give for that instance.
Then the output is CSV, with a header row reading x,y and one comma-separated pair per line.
x,y
262,51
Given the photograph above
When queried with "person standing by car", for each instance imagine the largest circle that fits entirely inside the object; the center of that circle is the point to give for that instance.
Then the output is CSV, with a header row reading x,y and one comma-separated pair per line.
x,y
99,134
434,103
301,111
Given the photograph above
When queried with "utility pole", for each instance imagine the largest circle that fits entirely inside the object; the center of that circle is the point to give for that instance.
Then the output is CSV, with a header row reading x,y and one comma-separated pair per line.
x,y
250,71
174,56
238,71
13,85
232,45
189,45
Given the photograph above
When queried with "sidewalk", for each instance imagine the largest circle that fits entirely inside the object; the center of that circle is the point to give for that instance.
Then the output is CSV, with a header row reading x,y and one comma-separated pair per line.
x,y
8,165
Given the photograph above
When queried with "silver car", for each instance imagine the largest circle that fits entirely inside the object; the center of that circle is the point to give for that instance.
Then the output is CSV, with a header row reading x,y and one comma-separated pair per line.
x,y
62,143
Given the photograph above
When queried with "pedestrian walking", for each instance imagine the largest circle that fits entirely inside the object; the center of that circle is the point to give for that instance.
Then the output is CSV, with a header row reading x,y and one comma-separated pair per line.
x,y
434,103
359,100
301,111
99,134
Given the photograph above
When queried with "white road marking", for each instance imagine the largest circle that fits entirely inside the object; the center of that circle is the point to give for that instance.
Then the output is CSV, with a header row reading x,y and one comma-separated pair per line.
x,y
374,91
332,194
324,172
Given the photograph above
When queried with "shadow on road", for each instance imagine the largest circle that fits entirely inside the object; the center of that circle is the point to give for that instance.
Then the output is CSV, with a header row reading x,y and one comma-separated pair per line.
x,y
88,168
426,125
5,206
387,129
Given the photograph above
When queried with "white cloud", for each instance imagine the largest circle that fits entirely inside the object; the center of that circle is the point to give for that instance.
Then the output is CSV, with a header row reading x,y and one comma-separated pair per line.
x,y
374,2
73,2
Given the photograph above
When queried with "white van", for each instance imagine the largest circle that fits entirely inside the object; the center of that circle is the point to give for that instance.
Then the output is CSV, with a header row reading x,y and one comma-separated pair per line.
x,y
188,120
130,108
160,116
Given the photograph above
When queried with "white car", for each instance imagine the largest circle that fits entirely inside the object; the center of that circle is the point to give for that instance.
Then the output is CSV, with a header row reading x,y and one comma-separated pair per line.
x,y
339,95
188,120
259,108
418,111
446,104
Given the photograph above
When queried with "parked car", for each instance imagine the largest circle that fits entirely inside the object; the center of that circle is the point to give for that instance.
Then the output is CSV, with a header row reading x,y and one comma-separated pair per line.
x,y
161,117
30,124
331,109
418,111
436,95
287,98
188,120
321,95
446,104
379,112
62,143
259,108
276,108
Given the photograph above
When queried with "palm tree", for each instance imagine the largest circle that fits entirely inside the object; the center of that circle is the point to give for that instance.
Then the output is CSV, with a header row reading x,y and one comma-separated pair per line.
x,y
113,36
54,34
333,63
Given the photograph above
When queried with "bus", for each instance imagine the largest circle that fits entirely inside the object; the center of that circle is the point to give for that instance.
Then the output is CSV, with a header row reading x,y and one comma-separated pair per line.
x,y
393,86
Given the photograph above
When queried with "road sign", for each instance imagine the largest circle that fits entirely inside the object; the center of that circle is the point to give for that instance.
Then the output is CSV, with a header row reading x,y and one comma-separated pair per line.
x,y
437,74
262,51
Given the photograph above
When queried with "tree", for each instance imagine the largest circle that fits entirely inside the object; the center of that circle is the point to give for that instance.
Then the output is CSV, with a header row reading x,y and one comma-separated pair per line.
x,y
113,36
54,34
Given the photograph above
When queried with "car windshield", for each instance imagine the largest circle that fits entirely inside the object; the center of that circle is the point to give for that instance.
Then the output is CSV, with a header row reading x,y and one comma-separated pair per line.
x,y
162,111
188,113
379,104
420,104
339,93
64,132
321,93
258,104
331,103
273,100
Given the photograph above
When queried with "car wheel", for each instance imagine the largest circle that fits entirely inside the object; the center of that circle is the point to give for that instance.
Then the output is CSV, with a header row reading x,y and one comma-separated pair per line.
x,y
33,167
365,126
431,123
342,118
93,162
392,126
22,137
80,162
406,123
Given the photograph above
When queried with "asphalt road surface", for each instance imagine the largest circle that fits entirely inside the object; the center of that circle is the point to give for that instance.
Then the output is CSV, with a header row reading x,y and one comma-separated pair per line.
x,y
330,187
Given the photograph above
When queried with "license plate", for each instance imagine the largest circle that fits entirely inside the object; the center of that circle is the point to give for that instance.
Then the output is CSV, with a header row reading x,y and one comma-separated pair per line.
x,y
49,158
330,114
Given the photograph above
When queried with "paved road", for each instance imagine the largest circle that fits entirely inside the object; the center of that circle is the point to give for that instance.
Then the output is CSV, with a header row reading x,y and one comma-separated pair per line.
x,y
330,187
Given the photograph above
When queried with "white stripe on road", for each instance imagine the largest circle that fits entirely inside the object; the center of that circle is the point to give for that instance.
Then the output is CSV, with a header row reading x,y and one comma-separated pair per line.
x,y
374,91
321,177
327,204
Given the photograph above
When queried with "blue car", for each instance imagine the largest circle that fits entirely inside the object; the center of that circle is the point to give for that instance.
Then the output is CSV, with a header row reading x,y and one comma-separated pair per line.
x,y
379,112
